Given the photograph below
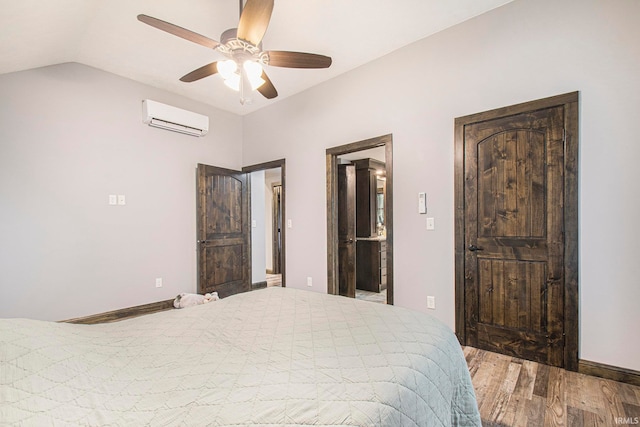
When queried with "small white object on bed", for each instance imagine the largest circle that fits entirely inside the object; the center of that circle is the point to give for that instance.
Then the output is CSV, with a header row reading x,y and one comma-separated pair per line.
x,y
185,300
276,356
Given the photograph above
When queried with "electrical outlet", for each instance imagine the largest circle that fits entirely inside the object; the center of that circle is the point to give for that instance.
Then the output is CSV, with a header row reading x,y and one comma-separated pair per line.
x,y
121,200
309,281
431,224
158,282
431,302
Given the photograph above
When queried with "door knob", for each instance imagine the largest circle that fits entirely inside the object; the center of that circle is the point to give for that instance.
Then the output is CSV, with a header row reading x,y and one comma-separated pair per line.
x,y
474,248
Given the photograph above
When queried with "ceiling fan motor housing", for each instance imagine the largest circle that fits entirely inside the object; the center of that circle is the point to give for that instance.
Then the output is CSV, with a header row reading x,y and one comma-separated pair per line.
x,y
239,49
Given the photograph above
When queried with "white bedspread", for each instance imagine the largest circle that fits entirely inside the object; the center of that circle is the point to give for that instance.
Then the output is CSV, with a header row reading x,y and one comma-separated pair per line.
x,y
269,357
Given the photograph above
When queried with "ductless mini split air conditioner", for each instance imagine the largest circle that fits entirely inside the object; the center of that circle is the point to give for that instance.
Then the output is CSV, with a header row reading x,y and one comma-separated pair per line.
x,y
174,119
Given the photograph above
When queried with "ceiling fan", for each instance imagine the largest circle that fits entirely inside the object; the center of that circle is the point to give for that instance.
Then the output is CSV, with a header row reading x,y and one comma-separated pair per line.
x,y
243,48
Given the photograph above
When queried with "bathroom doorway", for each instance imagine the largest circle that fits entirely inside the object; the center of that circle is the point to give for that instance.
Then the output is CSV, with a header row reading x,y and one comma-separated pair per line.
x,y
360,220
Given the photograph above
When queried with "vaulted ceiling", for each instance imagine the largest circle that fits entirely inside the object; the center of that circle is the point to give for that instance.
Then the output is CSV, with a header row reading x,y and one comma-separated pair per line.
x,y
105,34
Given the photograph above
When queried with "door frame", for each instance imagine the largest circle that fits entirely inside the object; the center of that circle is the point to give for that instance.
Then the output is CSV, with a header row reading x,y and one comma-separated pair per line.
x,y
332,207
570,102
280,163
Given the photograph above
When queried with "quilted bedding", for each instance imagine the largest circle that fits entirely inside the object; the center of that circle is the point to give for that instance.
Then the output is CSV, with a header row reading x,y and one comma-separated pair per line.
x,y
276,356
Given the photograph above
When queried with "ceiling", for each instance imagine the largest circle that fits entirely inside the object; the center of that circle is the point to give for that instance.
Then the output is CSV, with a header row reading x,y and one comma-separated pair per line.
x,y
105,34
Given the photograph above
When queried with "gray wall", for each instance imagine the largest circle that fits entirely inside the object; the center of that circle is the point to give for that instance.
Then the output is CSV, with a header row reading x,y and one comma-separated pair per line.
x,y
525,50
70,135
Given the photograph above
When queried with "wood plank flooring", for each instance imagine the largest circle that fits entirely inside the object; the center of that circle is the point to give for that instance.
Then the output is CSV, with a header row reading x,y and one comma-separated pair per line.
x,y
516,392
274,280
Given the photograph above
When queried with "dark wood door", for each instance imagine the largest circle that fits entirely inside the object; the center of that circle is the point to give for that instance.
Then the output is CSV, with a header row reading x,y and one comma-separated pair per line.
x,y
224,260
514,235
347,230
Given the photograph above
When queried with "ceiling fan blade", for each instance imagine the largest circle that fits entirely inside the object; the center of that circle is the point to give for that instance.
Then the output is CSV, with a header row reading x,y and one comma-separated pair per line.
x,y
178,31
267,89
280,58
255,20
200,73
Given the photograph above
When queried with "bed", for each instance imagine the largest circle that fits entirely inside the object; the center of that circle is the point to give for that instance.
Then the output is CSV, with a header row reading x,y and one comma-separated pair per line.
x,y
276,356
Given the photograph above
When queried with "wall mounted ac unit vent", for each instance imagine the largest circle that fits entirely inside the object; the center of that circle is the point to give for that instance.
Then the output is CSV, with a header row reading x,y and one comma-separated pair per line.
x,y
174,119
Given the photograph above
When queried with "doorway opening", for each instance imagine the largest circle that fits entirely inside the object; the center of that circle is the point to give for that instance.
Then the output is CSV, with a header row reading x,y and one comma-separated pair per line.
x,y
267,193
360,220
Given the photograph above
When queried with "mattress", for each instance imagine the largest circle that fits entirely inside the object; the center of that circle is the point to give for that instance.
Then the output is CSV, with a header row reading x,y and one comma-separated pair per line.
x,y
276,356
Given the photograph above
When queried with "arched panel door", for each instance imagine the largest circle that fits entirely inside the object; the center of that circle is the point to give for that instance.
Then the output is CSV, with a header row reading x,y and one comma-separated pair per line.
x,y
516,278
224,253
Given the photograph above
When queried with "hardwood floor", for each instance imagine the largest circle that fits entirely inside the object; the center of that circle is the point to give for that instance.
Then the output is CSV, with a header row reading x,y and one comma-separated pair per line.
x,y
516,392
274,280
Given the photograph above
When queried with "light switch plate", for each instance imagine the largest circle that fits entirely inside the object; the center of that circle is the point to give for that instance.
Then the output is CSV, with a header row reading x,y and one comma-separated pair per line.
x,y
289,223
422,203
431,224
113,199
254,223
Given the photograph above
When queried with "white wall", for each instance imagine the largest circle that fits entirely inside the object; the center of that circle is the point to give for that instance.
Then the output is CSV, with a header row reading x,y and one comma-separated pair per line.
x,y
525,50
70,135
258,214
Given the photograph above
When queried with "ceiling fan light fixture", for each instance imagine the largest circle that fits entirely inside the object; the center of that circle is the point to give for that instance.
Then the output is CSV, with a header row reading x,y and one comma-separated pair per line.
x,y
256,83
233,82
229,72
227,69
253,71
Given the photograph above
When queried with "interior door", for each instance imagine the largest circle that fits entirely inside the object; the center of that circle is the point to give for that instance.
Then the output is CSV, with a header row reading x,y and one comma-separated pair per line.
x,y
514,235
277,228
347,230
224,252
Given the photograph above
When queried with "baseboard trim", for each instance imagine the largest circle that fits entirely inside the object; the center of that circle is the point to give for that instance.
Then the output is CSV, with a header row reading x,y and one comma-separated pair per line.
x,y
124,313
609,372
259,285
